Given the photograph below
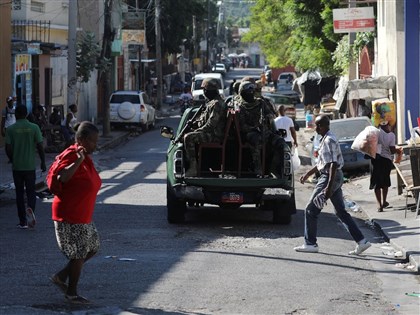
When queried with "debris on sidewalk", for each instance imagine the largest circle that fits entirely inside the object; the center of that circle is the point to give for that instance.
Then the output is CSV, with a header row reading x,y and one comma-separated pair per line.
x,y
351,205
407,266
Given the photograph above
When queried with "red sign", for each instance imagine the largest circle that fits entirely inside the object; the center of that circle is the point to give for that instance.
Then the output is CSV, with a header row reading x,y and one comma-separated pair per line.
x,y
354,20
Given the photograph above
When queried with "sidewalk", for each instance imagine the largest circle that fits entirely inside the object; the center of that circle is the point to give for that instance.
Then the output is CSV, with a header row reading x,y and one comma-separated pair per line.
x,y
403,233
398,224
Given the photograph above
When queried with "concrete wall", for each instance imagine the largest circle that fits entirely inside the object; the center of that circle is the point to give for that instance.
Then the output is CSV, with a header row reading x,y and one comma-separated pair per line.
x,y
59,80
55,11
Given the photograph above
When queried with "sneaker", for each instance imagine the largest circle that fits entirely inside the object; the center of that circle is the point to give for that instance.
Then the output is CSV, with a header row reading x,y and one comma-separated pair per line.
x,y
307,248
360,248
30,217
22,226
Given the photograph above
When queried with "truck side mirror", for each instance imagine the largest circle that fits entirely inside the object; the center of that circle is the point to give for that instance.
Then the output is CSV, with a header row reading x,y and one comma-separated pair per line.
x,y
167,132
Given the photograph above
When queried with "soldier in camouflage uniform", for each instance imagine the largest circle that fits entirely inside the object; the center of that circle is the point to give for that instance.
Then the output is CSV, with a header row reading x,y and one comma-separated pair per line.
x,y
210,125
256,121
258,94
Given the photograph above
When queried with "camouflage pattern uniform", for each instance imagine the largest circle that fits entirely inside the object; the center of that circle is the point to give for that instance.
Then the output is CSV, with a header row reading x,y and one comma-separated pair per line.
x,y
209,127
258,94
256,120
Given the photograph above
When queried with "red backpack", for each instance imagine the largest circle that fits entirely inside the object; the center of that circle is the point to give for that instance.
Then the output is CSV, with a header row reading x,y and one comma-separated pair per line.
x,y
54,185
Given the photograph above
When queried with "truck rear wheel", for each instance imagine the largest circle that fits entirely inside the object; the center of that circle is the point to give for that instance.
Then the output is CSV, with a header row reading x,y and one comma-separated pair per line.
x,y
175,207
282,211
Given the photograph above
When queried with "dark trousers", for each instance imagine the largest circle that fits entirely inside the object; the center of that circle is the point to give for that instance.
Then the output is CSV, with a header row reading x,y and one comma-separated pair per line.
x,y
24,180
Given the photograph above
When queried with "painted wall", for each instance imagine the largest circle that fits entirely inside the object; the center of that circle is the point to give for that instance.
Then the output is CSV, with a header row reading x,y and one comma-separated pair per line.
x,y
5,56
55,11
412,58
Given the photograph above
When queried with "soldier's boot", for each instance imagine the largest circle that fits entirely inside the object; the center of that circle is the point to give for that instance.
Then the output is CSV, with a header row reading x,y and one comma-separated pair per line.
x,y
192,170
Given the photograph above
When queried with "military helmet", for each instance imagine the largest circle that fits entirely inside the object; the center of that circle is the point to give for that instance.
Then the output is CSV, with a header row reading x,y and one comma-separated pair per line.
x,y
210,84
258,85
246,85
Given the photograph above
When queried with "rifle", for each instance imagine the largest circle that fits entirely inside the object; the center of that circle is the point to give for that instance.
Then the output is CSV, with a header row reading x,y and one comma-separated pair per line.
x,y
189,123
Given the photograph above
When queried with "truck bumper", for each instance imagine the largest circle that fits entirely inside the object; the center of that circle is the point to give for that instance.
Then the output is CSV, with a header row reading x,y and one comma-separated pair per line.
x,y
200,194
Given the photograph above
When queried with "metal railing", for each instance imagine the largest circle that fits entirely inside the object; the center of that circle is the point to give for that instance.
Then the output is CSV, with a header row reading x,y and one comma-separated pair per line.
x,y
31,30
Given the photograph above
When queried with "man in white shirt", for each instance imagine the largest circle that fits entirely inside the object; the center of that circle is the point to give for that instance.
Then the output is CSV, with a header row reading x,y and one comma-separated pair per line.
x,y
286,123
8,115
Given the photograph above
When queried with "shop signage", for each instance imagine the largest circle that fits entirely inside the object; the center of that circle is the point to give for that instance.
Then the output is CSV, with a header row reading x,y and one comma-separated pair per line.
x,y
354,20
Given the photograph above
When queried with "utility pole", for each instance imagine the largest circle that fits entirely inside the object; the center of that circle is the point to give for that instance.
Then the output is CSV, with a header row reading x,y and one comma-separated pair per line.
x,y
194,40
104,73
158,54
352,38
71,57
207,38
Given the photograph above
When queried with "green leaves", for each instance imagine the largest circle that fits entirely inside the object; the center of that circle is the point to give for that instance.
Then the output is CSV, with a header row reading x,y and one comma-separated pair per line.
x,y
301,33
88,51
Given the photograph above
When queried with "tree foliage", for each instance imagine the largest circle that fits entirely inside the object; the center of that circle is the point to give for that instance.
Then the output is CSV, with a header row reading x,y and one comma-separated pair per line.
x,y
88,51
301,33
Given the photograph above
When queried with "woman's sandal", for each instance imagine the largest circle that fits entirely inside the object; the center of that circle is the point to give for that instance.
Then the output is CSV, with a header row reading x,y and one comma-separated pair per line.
x,y
77,299
60,284
380,209
385,205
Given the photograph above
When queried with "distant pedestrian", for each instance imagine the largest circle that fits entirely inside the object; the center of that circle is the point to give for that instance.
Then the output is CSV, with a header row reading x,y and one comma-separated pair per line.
x,y
7,115
284,122
231,90
23,138
330,162
381,165
149,88
55,118
67,125
72,210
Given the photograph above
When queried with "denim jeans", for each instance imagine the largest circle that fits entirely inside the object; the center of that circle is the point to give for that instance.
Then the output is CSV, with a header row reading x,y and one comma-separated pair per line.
x,y
312,212
22,180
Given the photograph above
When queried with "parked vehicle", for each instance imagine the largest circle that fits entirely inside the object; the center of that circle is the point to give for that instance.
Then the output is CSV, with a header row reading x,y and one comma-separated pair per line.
x,y
286,78
224,175
219,68
131,108
346,130
197,90
294,96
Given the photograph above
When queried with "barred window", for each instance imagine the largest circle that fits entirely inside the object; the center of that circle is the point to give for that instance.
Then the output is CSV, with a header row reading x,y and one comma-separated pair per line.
x,y
37,6
17,5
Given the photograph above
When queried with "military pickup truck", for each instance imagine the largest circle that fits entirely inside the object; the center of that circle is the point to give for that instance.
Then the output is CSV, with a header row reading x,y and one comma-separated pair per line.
x,y
225,177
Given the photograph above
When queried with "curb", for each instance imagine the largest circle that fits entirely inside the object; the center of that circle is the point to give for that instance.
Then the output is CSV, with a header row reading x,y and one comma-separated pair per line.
x,y
113,142
410,256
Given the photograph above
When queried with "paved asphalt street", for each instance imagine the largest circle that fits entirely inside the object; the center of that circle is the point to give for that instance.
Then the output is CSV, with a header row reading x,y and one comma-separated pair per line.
x,y
399,226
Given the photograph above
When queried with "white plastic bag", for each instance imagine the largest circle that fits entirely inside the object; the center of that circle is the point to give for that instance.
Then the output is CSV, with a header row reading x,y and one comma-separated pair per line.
x,y
367,141
295,159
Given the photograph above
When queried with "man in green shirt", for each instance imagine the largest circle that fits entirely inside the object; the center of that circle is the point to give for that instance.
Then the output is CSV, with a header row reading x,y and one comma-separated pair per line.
x,y
22,138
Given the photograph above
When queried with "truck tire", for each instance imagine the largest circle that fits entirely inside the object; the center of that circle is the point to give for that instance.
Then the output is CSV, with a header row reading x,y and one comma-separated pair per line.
x,y
282,211
175,207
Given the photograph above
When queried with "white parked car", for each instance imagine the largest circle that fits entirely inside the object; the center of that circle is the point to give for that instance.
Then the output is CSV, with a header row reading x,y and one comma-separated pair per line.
x,y
131,108
219,68
196,89
286,78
